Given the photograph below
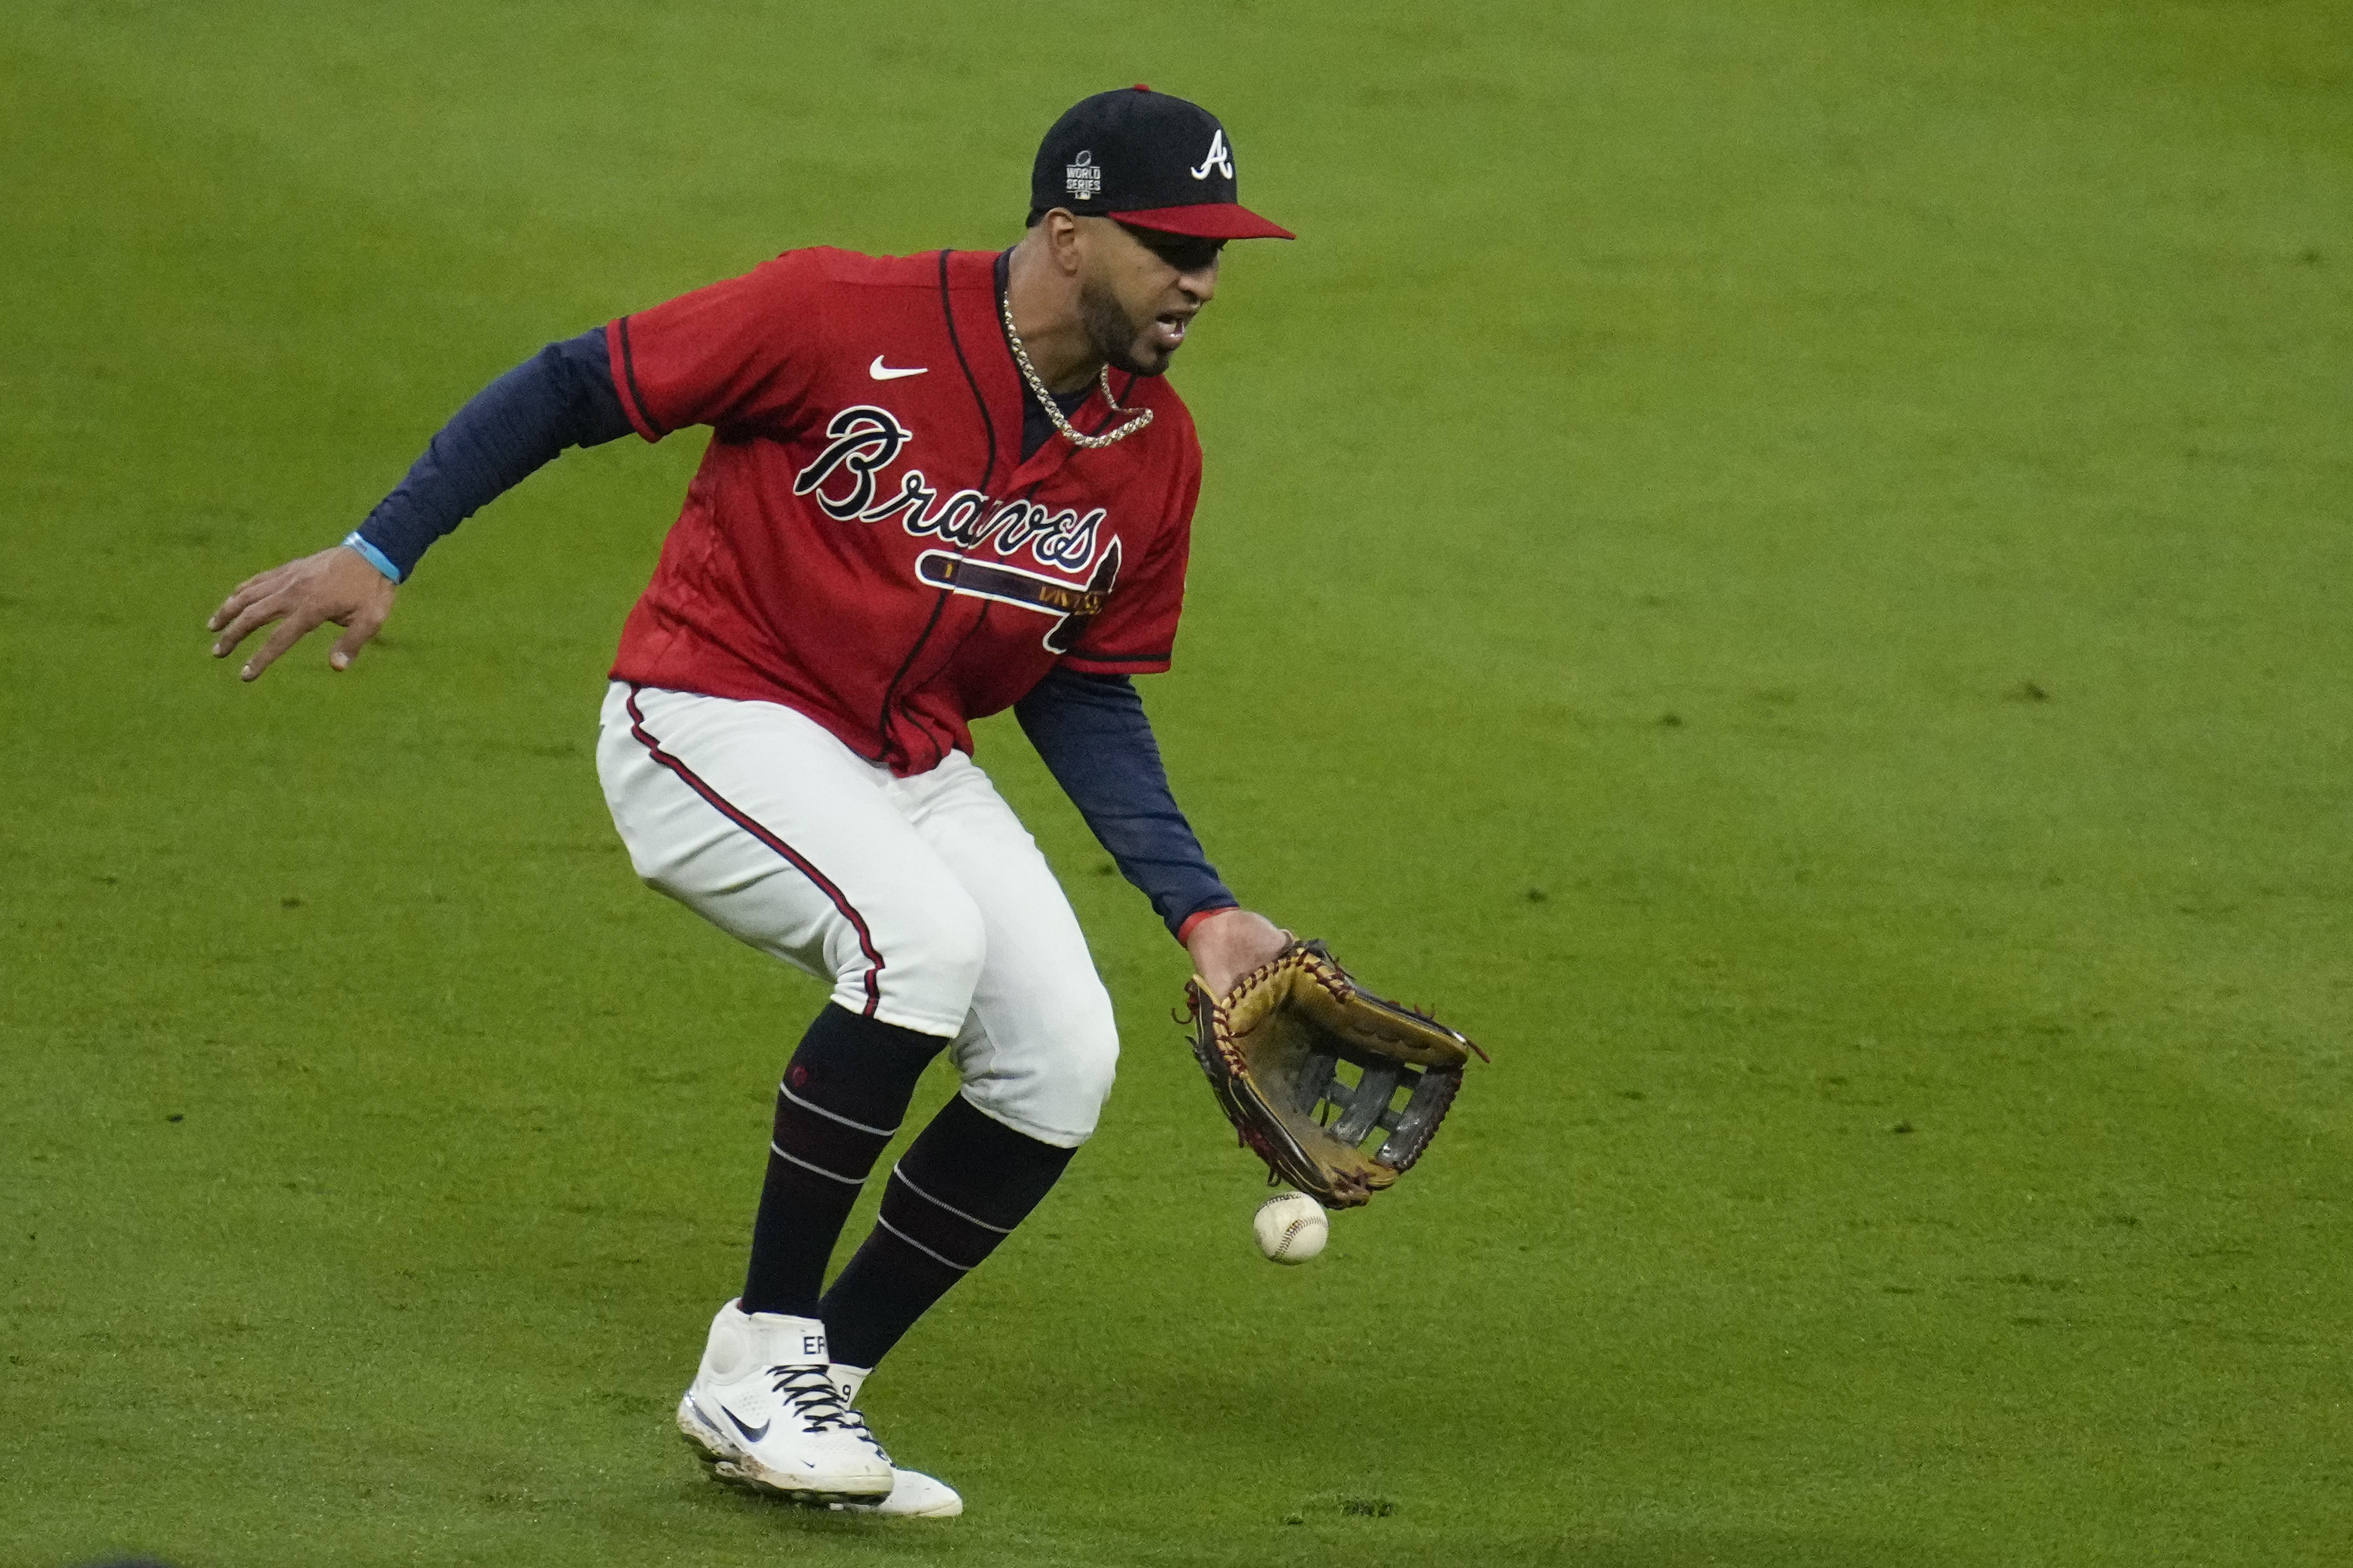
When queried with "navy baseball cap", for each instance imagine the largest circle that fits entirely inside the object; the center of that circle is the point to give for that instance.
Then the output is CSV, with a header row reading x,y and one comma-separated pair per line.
x,y
1146,159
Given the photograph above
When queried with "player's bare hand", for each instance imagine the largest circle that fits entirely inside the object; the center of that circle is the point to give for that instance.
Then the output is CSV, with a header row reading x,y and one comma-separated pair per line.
x,y
1231,944
335,584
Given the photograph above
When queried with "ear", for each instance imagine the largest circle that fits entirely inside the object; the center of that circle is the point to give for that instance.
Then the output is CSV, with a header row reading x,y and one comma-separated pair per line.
x,y
1064,240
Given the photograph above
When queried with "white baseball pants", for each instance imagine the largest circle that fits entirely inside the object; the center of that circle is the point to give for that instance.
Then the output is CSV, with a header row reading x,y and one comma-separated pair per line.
x,y
923,900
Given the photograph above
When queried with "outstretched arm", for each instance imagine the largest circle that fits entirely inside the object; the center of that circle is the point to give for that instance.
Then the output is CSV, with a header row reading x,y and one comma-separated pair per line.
x,y
562,396
1091,732
337,585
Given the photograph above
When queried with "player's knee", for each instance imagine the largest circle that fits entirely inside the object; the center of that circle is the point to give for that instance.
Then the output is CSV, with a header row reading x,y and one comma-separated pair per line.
x,y
1087,1077
1053,1087
932,956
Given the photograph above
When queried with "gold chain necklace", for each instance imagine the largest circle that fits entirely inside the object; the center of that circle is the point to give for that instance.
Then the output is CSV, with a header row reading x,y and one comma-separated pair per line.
x,y
1054,409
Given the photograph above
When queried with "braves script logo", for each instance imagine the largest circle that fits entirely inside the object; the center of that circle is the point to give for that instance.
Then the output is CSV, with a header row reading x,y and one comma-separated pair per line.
x,y
844,479
1219,159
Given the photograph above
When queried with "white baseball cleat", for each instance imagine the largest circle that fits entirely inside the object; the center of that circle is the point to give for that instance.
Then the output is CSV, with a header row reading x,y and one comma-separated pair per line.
x,y
913,1495
762,1414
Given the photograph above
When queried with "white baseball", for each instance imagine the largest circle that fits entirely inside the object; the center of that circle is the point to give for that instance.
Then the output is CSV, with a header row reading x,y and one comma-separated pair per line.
x,y
1291,1228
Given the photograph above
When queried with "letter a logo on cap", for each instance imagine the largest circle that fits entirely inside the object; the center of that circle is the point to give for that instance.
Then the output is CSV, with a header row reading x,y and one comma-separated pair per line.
x,y
1128,155
1219,159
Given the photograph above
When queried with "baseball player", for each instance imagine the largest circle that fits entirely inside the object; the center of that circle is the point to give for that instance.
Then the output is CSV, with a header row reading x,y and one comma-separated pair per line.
x,y
937,486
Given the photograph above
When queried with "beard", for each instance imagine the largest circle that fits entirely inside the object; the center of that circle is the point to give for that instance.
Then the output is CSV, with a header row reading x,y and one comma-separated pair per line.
x,y
1118,339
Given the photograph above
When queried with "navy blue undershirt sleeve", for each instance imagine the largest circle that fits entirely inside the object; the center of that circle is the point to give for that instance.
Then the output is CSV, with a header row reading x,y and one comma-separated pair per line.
x,y
1096,742
561,397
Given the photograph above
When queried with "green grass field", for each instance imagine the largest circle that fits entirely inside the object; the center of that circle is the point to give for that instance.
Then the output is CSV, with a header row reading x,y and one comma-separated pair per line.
x,y
1782,564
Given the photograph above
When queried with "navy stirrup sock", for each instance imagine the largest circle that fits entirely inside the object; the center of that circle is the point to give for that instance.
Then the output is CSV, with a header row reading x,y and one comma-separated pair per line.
x,y
843,1095
962,1186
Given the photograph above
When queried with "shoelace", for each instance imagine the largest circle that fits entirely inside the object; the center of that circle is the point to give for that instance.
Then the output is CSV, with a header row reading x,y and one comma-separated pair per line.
x,y
815,1401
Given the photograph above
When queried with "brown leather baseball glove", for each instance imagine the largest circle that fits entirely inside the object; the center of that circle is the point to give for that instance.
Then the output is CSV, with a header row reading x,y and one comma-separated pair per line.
x,y
1273,1048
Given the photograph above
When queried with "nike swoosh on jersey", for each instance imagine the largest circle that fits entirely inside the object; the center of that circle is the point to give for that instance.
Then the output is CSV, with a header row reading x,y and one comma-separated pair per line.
x,y
882,372
750,1434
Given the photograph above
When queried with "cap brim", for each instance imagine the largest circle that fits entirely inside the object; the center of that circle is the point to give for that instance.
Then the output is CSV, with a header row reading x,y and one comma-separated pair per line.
x,y
1207,220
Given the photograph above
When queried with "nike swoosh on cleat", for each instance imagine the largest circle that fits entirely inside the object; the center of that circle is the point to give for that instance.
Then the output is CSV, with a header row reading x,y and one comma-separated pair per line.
x,y
882,372
750,1434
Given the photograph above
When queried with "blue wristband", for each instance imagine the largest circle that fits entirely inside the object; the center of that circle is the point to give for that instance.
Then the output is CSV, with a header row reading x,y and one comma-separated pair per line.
x,y
369,553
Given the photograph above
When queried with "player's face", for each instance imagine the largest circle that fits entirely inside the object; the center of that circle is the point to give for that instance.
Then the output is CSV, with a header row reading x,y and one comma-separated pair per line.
x,y
1140,293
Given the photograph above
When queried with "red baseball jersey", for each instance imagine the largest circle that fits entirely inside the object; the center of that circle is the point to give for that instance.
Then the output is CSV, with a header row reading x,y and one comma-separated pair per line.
x,y
863,542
